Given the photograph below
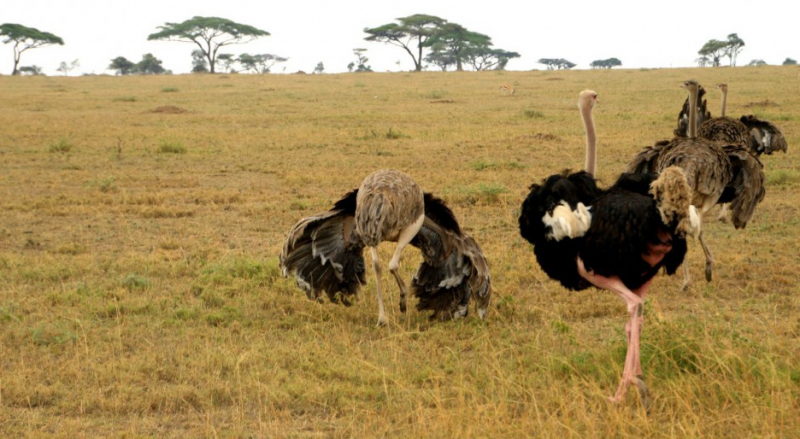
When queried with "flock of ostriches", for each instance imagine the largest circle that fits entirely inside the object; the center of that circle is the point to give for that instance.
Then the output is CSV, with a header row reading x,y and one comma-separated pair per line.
x,y
615,239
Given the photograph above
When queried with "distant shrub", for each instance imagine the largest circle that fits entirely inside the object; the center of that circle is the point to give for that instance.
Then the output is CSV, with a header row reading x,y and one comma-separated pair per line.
x,y
135,282
533,114
63,146
436,94
171,147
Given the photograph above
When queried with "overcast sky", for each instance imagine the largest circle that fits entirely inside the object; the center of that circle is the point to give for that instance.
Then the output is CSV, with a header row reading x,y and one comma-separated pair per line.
x,y
640,33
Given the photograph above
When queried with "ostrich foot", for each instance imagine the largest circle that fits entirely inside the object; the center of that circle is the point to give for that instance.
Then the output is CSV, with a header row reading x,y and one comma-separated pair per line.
x,y
644,392
382,321
403,305
708,271
723,219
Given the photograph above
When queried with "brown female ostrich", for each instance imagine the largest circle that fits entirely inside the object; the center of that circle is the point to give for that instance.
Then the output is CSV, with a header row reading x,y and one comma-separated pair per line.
x,y
325,251
616,239
736,136
716,172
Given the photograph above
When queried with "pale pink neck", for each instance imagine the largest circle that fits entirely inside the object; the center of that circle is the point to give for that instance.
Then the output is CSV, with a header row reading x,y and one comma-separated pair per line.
x,y
591,139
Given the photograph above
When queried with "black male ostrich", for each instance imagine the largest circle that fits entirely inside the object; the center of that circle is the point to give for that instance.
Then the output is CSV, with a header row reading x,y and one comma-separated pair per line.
x,y
325,251
616,239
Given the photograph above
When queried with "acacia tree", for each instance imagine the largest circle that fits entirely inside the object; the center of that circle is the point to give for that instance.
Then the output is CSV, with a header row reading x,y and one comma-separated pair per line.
x,y
605,63
122,65
209,33
65,67
150,65
199,63
789,62
262,63
458,41
441,58
26,38
733,47
556,63
414,29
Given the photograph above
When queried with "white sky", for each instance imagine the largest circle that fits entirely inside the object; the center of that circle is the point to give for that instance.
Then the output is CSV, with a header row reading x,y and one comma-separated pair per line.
x,y
640,33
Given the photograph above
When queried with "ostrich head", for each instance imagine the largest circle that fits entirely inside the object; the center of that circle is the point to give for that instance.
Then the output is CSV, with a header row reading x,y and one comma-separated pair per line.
x,y
691,86
587,99
673,197
722,87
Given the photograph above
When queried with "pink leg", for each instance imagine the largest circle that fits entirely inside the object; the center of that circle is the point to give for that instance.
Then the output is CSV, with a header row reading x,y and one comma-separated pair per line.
x,y
632,370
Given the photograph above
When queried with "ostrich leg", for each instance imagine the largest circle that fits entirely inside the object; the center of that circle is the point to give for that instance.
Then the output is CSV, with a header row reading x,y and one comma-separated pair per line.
x,y
632,370
709,256
406,235
376,265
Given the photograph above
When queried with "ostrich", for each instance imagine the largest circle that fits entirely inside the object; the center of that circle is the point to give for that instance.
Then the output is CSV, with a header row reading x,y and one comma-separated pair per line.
x,y
325,251
683,117
616,239
747,133
716,172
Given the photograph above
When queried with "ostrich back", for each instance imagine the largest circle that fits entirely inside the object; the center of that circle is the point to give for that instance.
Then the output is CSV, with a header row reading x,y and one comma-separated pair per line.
x,y
557,257
705,165
726,130
624,221
388,201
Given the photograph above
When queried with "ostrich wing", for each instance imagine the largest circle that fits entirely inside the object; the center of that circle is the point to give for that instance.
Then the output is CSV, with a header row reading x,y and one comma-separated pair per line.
x,y
325,253
745,189
765,137
453,269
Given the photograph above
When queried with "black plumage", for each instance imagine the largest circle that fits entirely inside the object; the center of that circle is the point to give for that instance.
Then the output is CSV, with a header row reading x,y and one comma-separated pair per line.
x,y
453,270
325,253
624,220
557,257
625,223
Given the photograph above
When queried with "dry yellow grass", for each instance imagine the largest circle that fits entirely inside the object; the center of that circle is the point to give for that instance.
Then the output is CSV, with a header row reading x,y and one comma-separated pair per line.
x,y
141,219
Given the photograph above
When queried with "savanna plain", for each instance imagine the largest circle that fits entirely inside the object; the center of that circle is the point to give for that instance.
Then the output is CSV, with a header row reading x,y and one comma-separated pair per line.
x,y
141,220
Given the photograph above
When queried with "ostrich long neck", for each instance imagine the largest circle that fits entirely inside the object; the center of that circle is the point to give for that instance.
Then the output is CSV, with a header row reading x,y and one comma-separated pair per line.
x,y
591,139
692,131
724,101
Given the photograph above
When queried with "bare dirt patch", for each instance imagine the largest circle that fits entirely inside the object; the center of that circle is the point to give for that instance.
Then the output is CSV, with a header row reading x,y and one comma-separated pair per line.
x,y
764,103
168,109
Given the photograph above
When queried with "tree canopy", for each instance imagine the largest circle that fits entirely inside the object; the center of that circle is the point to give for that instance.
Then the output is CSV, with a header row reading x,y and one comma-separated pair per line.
x,y
122,66
209,33
556,63
790,62
453,44
713,51
605,63
26,38
261,63
414,29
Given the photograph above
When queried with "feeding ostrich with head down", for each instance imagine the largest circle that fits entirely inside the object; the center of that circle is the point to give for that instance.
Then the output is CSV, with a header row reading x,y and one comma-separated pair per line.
x,y
325,251
616,239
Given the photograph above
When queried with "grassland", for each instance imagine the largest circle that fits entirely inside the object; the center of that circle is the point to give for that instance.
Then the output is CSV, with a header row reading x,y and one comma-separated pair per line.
x,y
140,296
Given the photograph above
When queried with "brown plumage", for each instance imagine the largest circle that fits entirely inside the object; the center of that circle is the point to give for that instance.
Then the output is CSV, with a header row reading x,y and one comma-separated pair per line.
x,y
765,137
325,251
746,188
716,172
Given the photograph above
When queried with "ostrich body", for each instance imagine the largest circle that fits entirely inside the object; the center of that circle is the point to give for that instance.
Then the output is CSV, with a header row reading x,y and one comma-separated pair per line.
x,y
616,239
716,172
325,251
390,206
747,134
